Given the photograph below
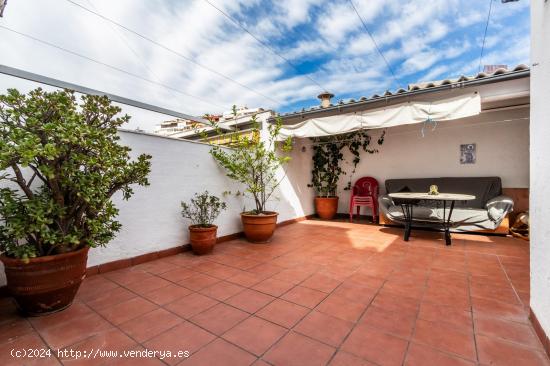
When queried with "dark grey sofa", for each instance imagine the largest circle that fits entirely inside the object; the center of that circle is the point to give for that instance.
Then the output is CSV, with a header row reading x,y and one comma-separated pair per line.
x,y
485,213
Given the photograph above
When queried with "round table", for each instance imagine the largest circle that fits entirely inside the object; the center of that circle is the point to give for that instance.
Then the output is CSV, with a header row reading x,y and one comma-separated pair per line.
x,y
408,203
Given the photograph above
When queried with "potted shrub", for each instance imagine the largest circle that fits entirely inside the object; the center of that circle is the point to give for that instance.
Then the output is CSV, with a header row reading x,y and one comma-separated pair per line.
x,y
254,162
325,175
327,158
60,164
202,211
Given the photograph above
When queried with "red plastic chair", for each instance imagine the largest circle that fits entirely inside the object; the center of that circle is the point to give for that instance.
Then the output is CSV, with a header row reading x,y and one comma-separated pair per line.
x,y
364,193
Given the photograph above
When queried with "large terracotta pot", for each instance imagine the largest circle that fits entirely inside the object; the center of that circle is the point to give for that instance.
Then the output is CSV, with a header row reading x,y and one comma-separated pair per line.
x,y
326,207
46,284
202,238
259,228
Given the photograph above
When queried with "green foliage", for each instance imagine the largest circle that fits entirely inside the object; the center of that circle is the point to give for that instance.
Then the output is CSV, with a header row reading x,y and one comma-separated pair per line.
x,y
328,156
254,162
203,209
63,163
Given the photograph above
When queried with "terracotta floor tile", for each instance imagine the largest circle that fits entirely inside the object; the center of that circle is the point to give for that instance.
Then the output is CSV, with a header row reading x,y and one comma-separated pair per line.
x,y
147,285
341,308
167,294
191,305
293,275
244,279
150,325
124,311
157,267
219,318
111,298
324,328
220,352
321,283
183,337
109,340
493,351
375,346
496,309
347,359
273,287
304,296
396,303
420,355
222,290
198,281
445,338
356,293
17,327
283,313
127,275
76,310
255,335
249,300
75,330
177,274
451,315
398,324
295,349
510,331
26,342
94,286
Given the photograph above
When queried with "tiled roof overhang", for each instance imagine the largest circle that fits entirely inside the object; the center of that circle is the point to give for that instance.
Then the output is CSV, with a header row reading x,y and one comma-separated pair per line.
x,y
499,75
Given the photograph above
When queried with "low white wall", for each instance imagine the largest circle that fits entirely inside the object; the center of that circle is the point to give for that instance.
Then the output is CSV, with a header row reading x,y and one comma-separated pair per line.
x,y
540,163
151,219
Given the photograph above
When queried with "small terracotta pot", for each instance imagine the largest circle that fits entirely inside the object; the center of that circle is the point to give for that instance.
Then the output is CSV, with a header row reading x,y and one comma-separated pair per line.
x,y
326,207
202,238
259,228
46,284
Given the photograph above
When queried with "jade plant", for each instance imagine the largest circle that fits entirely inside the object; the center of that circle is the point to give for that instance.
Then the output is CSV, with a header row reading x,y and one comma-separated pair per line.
x,y
255,162
203,209
328,156
61,163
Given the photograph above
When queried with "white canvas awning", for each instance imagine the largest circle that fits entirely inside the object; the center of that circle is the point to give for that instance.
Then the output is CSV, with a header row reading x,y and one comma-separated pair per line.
x,y
395,115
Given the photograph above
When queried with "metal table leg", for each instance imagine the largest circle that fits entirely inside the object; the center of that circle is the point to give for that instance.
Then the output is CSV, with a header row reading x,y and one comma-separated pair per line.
x,y
407,209
447,222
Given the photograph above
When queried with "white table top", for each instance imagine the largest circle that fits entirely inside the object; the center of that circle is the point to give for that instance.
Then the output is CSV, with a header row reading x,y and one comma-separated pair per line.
x,y
435,197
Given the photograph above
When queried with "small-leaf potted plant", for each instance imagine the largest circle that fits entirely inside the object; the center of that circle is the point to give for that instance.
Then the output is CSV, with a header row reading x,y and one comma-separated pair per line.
x,y
254,162
327,166
202,210
325,176
60,164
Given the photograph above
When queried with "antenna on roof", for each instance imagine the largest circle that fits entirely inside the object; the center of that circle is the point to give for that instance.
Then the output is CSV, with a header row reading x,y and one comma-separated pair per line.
x,y
3,4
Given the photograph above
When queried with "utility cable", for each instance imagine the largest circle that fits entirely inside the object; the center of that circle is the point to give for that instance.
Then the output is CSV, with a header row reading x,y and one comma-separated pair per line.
x,y
109,66
189,59
485,35
374,41
262,43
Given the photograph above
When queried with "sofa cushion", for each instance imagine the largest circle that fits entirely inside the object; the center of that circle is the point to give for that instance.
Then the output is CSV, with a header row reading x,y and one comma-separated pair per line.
x,y
461,215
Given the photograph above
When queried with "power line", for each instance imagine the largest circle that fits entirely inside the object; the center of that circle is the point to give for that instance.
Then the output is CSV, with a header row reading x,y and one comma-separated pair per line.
x,y
109,66
174,52
374,41
485,35
265,45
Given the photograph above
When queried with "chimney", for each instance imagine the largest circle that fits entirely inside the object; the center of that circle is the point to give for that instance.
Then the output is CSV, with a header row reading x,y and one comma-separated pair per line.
x,y
325,99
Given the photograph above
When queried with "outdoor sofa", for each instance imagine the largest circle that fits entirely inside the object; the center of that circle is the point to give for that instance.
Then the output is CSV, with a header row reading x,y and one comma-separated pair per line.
x,y
487,213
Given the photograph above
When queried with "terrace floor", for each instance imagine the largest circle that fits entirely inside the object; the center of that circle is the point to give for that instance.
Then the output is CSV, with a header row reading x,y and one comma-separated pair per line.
x,y
320,293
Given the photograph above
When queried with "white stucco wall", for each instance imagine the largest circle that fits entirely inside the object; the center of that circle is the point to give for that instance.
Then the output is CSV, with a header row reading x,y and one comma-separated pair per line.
x,y
151,219
502,150
540,162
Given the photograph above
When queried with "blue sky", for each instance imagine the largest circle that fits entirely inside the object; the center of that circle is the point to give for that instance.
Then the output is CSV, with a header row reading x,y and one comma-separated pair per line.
x,y
422,40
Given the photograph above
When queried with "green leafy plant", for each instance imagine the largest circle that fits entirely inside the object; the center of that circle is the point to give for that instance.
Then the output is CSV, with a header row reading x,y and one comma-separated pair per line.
x,y
328,155
61,165
203,209
254,162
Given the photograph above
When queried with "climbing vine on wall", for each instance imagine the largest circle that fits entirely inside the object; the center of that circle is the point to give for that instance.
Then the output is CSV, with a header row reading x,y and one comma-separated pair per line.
x,y
328,156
